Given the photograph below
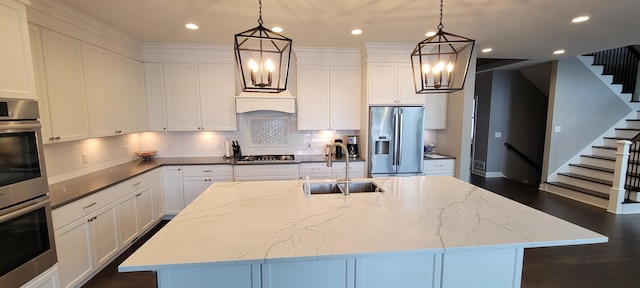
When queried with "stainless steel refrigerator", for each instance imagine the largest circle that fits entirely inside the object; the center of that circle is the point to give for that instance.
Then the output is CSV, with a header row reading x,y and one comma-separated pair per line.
x,y
396,141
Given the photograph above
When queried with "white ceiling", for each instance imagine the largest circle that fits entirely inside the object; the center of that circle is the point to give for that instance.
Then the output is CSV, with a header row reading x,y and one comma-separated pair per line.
x,y
524,29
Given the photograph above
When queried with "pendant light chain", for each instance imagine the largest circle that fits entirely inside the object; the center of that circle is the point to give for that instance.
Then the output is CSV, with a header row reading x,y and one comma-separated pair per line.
x,y
260,13
440,27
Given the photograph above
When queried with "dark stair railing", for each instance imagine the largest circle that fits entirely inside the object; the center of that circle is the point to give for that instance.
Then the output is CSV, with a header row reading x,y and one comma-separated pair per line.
x,y
524,157
632,179
622,64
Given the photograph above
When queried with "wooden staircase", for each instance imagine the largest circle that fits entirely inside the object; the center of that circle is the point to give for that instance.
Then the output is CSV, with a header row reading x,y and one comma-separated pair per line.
x,y
590,180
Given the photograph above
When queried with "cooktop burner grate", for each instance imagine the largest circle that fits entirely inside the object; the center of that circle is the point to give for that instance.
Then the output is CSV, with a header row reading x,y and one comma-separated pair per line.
x,y
286,157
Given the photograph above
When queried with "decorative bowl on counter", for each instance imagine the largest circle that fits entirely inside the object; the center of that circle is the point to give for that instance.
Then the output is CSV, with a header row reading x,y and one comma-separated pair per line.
x,y
146,155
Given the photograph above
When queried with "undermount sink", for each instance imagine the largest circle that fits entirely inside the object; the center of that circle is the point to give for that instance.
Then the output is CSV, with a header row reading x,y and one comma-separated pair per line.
x,y
354,187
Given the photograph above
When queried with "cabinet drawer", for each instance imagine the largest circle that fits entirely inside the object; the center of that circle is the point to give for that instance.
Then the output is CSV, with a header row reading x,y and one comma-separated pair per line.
x,y
278,171
133,184
353,166
82,207
314,168
207,170
444,164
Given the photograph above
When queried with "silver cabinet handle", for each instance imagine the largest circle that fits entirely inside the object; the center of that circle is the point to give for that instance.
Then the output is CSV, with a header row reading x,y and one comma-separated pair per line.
x,y
138,195
207,171
90,205
134,185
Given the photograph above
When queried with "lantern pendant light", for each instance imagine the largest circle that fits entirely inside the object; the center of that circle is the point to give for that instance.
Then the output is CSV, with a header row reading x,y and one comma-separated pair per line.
x,y
262,58
440,63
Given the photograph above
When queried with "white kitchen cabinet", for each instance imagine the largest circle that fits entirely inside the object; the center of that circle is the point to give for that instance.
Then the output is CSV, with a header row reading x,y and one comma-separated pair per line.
x,y
315,170
155,93
199,97
391,84
197,178
158,193
95,62
435,111
266,172
17,79
122,94
173,191
356,170
217,89
439,167
86,236
47,279
407,271
139,96
135,207
313,98
309,274
62,91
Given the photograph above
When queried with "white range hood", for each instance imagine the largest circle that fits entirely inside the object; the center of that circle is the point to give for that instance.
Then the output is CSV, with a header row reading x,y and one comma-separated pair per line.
x,y
257,101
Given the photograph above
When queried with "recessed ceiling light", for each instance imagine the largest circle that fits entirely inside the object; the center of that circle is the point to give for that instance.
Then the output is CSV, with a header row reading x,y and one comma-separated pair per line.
x,y
276,29
580,19
356,31
191,26
558,52
430,33
486,50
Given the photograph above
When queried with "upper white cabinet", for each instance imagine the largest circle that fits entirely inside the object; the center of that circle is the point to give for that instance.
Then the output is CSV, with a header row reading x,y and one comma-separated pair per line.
x,y
190,97
391,84
435,111
329,94
62,91
17,79
85,90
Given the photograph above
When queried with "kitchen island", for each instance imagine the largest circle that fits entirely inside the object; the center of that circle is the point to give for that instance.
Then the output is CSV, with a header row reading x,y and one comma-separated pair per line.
x,y
430,231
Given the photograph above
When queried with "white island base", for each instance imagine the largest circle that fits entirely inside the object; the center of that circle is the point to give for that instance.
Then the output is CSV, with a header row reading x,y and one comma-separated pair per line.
x,y
432,231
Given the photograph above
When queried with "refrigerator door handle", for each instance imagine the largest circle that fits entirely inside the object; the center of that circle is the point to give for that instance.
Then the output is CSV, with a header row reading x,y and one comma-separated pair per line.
x,y
396,120
399,142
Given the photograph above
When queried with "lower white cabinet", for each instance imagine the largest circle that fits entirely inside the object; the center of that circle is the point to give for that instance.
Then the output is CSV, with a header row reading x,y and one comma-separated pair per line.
x,y
308,274
197,178
135,208
319,170
48,279
266,172
86,244
158,193
439,167
173,191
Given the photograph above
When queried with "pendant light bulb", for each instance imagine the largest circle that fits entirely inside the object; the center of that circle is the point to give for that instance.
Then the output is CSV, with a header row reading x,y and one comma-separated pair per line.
x,y
253,65
449,67
269,65
425,68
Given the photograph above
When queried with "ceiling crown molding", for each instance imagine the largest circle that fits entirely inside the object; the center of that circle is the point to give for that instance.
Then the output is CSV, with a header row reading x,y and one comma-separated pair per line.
x,y
190,53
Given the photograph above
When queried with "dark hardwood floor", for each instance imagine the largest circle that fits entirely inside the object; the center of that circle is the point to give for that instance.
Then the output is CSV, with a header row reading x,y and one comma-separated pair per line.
x,y
612,264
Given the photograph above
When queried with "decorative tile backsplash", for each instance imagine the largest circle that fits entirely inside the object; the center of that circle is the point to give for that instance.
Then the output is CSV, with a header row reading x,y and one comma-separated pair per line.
x,y
268,131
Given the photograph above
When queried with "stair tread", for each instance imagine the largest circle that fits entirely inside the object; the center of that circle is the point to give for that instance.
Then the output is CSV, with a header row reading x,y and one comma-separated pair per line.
x,y
580,189
636,111
628,129
587,178
605,147
591,167
618,138
600,157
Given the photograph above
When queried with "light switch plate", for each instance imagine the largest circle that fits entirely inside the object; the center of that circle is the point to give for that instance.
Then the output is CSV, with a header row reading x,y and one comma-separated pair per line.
x,y
498,134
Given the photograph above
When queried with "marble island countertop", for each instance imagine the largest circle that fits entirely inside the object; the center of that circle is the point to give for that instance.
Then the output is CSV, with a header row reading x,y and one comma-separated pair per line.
x,y
262,222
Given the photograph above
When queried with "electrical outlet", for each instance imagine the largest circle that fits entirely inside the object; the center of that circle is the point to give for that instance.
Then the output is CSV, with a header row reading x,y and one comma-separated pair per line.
x,y
125,150
84,158
169,146
219,146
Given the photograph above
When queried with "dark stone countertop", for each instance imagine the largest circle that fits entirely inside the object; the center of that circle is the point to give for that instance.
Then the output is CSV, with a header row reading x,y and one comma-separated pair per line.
x,y
67,191
434,156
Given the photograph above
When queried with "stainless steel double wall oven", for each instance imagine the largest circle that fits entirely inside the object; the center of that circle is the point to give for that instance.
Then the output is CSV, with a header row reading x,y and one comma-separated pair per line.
x,y
27,245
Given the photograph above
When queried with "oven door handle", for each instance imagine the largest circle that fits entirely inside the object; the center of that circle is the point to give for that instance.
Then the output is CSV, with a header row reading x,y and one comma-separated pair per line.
x,y
26,209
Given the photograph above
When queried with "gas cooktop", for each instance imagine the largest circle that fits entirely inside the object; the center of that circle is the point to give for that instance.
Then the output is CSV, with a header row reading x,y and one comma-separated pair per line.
x,y
266,158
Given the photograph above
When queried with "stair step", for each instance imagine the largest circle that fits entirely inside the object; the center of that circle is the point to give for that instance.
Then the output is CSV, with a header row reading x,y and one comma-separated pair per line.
x,y
600,161
598,168
587,178
627,132
580,189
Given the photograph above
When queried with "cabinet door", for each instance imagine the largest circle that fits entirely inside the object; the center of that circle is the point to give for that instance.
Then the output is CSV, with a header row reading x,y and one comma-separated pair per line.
x,y
382,87
73,247
313,98
158,194
65,86
194,186
139,97
104,235
406,88
181,89
217,102
121,82
17,79
435,112
95,62
41,85
173,193
127,219
154,87
344,107
144,208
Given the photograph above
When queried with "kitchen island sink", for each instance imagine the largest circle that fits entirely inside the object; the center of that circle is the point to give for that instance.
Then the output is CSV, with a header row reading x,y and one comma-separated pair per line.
x,y
354,187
